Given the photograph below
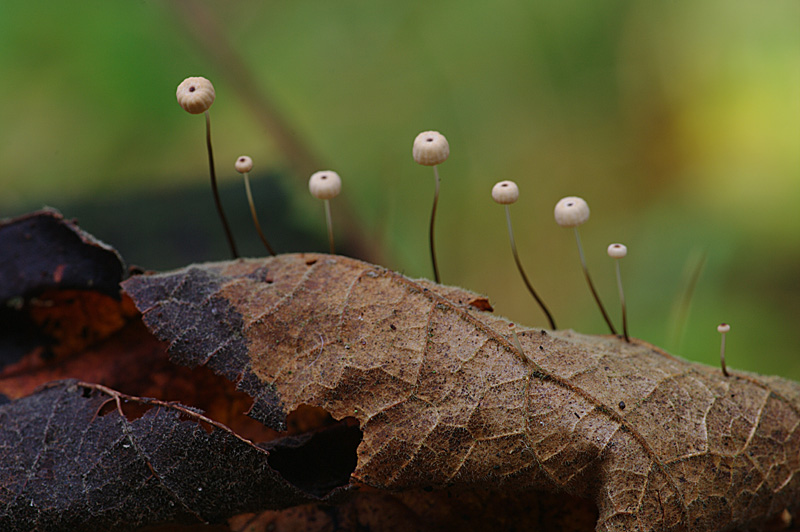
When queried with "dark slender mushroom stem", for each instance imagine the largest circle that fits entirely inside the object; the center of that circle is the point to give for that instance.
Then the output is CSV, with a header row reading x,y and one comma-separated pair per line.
x,y
522,271
591,285
431,149
505,193
217,200
723,328
433,220
255,216
573,211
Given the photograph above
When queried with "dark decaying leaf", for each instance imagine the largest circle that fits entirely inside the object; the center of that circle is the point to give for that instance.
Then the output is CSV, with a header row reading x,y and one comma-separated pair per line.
x,y
445,399
43,251
133,360
454,509
59,289
72,461
76,330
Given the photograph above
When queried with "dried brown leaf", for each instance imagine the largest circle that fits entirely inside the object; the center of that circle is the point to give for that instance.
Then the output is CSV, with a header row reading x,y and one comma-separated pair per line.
x,y
444,398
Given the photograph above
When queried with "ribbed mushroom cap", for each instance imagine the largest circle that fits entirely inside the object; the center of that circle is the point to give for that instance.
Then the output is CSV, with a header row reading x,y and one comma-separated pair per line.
x,y
430,148
571,211
325,184
195,95
505,192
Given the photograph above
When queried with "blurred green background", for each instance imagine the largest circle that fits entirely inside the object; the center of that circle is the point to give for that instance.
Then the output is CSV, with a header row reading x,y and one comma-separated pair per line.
x,y
679,123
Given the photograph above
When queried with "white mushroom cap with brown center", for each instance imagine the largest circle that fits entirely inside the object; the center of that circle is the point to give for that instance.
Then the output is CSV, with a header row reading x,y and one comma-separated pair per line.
x,y
243,164
505,192
325,184
571,211
723,327
617,251
430,148
195,95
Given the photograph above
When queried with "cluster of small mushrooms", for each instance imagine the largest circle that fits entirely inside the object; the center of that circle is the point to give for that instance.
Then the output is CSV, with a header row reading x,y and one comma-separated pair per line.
x,y
196,94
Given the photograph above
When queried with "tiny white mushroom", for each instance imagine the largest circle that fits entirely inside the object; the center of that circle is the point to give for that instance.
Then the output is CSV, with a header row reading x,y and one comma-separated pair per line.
x,y
617,251
326,185
573,211
505,193
195,95
431,149
243,165
723,328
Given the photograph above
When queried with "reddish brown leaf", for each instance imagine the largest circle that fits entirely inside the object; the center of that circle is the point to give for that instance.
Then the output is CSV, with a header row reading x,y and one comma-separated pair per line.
x,y
451,510
59,290
134,361
444,398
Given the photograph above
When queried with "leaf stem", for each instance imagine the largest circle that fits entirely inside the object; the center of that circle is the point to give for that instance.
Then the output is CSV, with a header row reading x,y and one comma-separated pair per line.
x,y
118,397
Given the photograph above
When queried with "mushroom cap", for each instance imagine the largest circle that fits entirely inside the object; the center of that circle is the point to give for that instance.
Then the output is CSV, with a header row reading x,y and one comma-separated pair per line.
x,y
505,192
430,148
243,164
617,251
195,94
325,184
723,327
571,211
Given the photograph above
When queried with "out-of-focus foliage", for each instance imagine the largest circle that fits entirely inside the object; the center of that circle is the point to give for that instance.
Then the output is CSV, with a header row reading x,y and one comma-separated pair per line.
x,y
677,122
